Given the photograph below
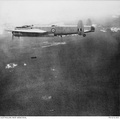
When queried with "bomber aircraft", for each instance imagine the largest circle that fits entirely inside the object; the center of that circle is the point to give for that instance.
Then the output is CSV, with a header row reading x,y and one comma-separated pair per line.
x,y
53,30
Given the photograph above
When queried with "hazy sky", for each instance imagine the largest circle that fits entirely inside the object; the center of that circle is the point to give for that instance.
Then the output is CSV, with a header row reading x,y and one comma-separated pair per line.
x,y
24,12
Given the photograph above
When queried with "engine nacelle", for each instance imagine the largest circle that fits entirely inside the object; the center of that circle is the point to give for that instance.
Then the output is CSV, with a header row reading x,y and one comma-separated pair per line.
x,y
80,28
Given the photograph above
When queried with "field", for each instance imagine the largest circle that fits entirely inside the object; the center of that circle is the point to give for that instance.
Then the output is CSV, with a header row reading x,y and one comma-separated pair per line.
x,y
60,76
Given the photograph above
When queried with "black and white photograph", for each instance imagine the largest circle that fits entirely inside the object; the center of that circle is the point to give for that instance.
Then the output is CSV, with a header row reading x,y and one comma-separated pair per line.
x,y
60,58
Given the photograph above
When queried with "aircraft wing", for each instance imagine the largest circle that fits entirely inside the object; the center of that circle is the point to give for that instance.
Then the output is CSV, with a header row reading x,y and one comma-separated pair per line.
x,y
28,31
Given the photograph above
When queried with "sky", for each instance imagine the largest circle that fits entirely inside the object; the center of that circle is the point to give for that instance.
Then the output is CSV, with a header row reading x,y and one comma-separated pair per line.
x,y
21,12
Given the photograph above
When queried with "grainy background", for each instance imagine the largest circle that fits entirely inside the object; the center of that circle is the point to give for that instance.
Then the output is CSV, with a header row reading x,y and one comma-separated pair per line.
x,y
68,76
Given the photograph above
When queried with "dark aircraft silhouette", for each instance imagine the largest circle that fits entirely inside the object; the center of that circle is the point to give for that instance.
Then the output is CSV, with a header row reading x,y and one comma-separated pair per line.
x,y
51,31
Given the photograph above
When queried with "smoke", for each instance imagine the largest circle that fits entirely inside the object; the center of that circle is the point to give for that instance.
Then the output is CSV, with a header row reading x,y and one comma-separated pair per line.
x,y
1,31
90,55
89,66
80,77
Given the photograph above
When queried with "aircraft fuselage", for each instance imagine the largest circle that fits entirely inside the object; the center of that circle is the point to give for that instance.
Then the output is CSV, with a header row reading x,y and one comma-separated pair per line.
x,y
51,31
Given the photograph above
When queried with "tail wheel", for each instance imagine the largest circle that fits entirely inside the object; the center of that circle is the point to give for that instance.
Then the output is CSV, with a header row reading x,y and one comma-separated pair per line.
x,y
84,35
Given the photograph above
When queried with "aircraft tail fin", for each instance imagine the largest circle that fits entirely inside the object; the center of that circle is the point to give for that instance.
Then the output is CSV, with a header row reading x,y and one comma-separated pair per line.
x,y
89,22
80,27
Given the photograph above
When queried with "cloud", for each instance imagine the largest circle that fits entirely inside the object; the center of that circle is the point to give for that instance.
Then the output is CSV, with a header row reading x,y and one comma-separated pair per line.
x,y
25,12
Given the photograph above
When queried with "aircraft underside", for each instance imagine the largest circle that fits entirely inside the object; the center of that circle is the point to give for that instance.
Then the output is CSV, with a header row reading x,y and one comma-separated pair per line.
x,y
20,34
